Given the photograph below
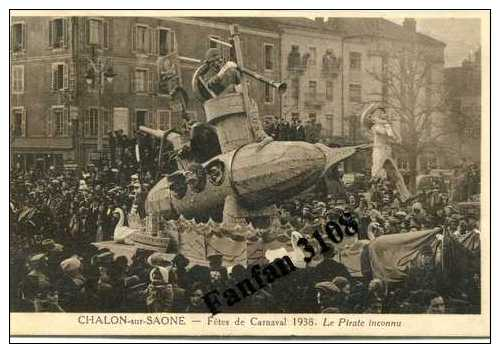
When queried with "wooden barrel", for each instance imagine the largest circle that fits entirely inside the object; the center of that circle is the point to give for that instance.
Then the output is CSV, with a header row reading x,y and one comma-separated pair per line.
x,y
227,114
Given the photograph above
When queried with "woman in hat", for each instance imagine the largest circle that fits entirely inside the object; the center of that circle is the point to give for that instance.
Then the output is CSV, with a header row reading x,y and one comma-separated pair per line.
x,y
72,286
159,293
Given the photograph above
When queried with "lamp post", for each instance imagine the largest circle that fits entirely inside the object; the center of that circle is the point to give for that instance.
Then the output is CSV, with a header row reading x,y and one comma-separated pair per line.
x,y
66,96
73,115
98,73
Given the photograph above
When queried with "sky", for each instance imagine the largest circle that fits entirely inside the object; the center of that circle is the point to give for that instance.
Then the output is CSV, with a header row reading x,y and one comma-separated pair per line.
x,y
462,36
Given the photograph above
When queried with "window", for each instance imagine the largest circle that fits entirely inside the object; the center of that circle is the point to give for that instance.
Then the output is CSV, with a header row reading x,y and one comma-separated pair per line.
x,y
312,56
269,94
355,61
18,122
59,76
268,56
95,27
312,116
140,80
91,122
141,39
212,44
355,93
107,125
18,39
140,118
402,164
17,79
164,119
151,120
312,88
57,33
295,90
329,90
98,33
166,42
294,61
61,121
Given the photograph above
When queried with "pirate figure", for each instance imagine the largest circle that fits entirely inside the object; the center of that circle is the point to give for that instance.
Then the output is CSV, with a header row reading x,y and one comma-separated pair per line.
x,y
215,77
375,119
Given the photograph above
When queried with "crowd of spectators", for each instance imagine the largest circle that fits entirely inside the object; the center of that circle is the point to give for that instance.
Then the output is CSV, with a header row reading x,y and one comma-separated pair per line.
x,y
55,218
282,129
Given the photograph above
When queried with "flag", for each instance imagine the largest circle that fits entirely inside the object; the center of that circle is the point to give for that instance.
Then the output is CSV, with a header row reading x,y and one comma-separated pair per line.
x,y
390,256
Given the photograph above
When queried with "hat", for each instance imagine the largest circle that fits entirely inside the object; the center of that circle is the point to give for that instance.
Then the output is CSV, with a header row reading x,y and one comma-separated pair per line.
x,y
327,286
180,260
401,214
366,116
213,255
51,246
38,258
70,264
340,282
212,54
159,259
102,258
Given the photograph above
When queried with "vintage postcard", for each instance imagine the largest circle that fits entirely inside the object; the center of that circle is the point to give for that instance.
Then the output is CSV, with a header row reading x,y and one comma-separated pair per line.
x,y
258,173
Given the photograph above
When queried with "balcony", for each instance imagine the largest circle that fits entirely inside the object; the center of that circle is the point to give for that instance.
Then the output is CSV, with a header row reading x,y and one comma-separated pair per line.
x,y
296,69
314,100
330,70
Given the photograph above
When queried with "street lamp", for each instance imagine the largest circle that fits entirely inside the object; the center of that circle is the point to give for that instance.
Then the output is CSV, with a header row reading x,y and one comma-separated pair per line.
x,y
99,72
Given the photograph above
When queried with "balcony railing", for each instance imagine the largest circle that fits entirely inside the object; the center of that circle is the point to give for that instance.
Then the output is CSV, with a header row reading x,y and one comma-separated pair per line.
x,y
297,68
330,70
314,99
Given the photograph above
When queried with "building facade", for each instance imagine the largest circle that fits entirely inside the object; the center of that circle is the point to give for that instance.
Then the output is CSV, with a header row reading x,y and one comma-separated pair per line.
x,y
74,79
463,89
375,52
311,66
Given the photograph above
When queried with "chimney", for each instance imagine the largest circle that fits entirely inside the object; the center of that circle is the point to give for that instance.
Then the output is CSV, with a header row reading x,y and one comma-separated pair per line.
x,y
318,20
410,24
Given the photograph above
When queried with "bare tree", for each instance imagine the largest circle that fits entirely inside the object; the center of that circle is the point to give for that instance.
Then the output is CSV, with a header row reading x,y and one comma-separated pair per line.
x,y
415,101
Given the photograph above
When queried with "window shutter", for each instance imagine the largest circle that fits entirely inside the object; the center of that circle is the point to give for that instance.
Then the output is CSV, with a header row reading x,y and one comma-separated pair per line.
x,y
86,129
65,122
156,41
65,32
72,76
132,80
24,36
65,76
12,37
53,73
172,42
87,30
23,123
49,123
151,83
51,33
133,123
151,34
147,43
22,79
105,34
133,36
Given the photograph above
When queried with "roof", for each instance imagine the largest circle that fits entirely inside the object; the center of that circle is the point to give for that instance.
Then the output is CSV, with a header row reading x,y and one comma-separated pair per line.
x,y
378,27
343,26
273,24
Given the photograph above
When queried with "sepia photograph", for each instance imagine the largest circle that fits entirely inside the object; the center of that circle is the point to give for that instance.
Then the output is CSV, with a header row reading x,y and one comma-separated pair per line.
x,y
292,168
